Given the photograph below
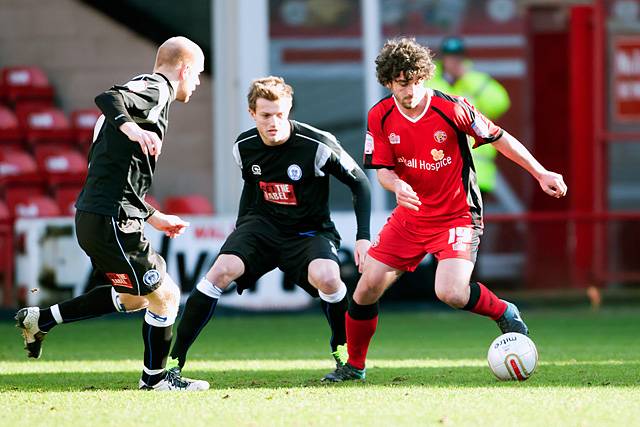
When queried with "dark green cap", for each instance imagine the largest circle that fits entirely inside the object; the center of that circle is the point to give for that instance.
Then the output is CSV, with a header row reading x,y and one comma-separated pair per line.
x,y
452,46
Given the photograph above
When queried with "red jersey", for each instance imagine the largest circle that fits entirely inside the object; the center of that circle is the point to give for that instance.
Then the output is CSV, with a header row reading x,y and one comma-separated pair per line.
x,y
431,153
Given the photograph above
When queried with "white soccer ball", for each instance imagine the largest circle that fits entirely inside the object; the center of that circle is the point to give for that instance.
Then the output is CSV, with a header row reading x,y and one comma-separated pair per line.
x,y
512,356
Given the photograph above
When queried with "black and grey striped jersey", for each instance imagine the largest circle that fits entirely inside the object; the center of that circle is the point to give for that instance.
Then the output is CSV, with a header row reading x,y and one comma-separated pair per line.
x,y
288,184
120,174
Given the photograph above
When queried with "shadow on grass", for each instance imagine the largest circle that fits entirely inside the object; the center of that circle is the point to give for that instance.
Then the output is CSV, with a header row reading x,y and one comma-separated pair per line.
x,y
582,376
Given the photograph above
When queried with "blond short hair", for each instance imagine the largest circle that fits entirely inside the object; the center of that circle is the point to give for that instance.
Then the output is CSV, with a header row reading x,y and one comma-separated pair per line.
x,y
270,88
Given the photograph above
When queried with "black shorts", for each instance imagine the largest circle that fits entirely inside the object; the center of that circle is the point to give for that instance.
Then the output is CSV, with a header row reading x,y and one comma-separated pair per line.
x,y
262,247
120,253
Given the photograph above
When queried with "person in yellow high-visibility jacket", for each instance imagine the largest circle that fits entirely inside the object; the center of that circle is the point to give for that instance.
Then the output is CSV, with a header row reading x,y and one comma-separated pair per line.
x,y
455,75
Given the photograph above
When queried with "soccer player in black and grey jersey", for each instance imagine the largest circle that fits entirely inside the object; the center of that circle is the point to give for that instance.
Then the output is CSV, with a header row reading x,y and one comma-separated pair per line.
x,y
283,219
111,211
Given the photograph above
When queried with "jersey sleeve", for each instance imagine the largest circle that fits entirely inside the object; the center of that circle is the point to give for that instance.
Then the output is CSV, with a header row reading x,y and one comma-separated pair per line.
x,y
139,100
331,158
377,150
472,122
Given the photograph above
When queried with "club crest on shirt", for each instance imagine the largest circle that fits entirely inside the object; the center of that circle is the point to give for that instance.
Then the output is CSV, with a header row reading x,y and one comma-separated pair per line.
x,y
394,139
437,154
151,277
294,172
440,136
256,170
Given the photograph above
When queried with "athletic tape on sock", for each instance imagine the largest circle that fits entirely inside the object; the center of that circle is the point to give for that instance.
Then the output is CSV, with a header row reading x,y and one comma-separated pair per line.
x,y
154,319
55,312
209,289
152,371
115,298
337,296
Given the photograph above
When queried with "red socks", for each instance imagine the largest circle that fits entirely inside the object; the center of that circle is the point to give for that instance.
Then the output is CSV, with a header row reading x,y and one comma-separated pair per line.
x,y
488,304
359,334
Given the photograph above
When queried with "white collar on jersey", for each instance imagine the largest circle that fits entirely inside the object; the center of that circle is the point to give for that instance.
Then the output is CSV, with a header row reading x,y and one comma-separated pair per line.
x,y
429,94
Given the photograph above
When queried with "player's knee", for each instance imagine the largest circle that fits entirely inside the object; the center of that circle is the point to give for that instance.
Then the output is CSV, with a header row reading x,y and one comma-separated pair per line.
x,y
452,296
368,291
225,270
165,300
326,281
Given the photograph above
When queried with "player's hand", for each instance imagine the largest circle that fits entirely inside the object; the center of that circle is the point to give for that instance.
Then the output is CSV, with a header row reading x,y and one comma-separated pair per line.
x,y
171,225
360,253
553,184
149,141
405,196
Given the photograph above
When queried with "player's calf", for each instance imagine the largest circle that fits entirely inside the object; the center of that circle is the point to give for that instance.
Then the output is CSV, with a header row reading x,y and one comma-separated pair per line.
x,y
157,331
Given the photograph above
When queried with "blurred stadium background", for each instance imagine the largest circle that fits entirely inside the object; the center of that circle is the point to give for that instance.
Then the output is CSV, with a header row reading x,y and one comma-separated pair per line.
x,y
572,71
571,68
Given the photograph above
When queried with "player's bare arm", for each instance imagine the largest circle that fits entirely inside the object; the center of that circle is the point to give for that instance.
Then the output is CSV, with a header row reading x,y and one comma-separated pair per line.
x,y
405,196
551,183
172,225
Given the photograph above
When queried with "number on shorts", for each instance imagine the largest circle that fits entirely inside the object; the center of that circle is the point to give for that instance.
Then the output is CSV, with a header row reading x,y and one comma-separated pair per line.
x,y
460,238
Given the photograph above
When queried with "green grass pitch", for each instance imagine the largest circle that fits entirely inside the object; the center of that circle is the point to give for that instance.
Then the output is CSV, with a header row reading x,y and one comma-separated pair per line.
x,y
425,368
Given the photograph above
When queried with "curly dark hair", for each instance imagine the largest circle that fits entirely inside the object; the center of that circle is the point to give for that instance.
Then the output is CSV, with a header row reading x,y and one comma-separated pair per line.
x,y
404,55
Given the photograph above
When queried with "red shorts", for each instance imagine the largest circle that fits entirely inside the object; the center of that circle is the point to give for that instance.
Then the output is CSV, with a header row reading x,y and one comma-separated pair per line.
x,y
402,244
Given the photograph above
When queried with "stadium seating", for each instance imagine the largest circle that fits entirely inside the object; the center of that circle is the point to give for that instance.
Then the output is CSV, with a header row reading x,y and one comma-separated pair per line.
x,y
45,125
191,204
61,165
25,84
35,206
65,197
10,131
82,123
17,166
19,176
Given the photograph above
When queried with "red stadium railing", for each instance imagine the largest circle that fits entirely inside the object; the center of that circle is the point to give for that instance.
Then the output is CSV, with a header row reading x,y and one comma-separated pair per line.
x,y
600,271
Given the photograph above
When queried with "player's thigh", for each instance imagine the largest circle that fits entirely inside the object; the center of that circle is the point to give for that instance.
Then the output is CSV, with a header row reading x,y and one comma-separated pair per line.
x,y
376,278
119,249
255,243
396,247
452,276
311,262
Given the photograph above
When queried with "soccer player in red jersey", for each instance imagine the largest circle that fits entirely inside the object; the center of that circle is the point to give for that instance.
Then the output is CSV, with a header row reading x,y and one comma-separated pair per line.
x,y
416,139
